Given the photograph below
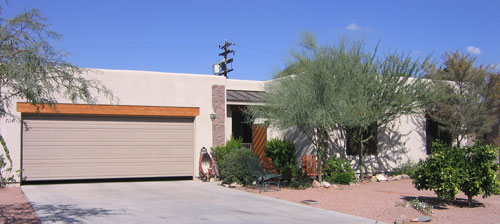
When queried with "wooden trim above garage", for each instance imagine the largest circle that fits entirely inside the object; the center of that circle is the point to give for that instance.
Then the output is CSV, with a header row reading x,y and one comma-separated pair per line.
x,y
120,110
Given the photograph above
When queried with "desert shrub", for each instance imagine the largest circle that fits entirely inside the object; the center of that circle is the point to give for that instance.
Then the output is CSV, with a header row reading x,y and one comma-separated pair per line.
x,y
420,206
282,152
5,170
233,167
5,165
221,151
448,170
301,182
408,168
339,171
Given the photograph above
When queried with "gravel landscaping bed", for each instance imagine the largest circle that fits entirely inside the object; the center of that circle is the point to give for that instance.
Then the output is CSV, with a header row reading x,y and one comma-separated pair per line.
x,y
15,208
377,200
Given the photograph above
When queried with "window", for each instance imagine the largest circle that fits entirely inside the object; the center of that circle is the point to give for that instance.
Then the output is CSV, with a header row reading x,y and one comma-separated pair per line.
x,y
370,147
435,131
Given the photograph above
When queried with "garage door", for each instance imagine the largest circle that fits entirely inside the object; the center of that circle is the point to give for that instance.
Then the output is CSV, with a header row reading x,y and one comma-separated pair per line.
x,y
68,147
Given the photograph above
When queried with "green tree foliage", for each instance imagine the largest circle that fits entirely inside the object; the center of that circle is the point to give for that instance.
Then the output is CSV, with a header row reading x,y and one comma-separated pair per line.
x,y
220,151
282,153
376,91
339,171
233,167
342,86
32,70
469,169
465,96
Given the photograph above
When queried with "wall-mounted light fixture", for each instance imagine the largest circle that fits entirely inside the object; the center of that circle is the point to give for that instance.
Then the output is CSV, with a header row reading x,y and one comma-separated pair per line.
x,y
212,114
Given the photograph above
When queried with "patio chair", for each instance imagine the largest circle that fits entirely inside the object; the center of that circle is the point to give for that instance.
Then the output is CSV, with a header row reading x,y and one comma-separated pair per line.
x,y
268,165
309,165
263,178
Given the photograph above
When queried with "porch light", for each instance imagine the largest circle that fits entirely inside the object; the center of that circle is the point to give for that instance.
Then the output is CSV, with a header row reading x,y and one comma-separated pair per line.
x,y
212,114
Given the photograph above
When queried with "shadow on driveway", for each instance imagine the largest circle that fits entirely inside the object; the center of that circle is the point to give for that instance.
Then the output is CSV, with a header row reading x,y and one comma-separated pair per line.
x,y
70,213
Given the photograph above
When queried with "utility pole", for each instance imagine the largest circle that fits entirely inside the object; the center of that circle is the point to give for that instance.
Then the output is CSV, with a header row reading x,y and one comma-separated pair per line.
x,y
224,63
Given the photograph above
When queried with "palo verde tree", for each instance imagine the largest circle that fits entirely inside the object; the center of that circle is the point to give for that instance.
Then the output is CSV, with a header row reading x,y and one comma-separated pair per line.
x,y
379,90
32,70
465,96
341,86
301,96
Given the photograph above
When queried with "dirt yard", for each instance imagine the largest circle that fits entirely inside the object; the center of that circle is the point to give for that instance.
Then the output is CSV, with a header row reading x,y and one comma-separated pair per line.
x,y
377,200
15,208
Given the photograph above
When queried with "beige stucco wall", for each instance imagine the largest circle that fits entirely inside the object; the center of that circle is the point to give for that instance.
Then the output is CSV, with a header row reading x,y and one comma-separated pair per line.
x,y
236,84
401,140
145,89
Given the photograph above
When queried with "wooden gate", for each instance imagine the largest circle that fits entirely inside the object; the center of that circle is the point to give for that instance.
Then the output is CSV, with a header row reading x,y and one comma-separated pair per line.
x,y
259,138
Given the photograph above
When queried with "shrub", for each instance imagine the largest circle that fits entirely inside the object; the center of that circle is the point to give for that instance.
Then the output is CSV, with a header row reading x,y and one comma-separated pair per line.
x,y
5,165
408,168
449,170
339,171
233,168
305,182
282,153
222,150
420,206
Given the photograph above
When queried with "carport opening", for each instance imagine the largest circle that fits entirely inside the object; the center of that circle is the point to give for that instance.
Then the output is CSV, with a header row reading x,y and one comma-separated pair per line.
x,y
80,181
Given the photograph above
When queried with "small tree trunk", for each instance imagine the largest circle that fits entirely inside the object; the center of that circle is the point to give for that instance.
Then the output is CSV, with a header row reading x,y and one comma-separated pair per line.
x,y
320,155
469,199
361,162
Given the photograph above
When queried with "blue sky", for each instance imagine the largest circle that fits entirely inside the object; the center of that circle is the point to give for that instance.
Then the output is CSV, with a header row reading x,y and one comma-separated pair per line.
x,y
183,36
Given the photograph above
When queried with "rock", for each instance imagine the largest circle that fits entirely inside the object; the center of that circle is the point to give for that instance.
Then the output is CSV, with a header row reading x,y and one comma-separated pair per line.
x,y
233,185
401,219
404,176
316,184
325,184
300,187
381,177
374,179
335,186
389,178
397,177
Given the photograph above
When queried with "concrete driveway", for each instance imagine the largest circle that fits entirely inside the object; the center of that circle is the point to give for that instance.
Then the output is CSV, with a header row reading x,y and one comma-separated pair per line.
x,y
168,202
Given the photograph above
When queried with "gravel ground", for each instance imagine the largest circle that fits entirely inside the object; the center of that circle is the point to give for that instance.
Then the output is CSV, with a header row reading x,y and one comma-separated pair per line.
x,y
377,200
14,207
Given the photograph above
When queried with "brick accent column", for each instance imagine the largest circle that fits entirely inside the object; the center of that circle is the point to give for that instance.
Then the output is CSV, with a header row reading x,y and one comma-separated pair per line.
x,y
219,106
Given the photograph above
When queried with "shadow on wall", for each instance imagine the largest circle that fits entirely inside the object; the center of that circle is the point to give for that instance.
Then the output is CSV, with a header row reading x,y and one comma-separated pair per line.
x,y
69,213
302,143
392,148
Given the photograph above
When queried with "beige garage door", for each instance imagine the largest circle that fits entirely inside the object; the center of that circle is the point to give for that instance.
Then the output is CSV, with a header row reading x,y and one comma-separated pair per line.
x,y
87,147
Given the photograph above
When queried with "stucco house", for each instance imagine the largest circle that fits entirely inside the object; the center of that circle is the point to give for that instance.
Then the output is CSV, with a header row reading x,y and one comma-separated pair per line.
x,y
160,124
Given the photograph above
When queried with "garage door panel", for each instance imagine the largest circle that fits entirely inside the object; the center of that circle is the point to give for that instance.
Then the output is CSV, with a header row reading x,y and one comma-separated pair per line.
x,y
102,152
77,147
96,135
106,170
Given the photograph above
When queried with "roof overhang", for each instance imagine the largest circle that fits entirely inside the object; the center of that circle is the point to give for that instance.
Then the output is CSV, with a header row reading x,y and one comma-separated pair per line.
x,y
243,97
